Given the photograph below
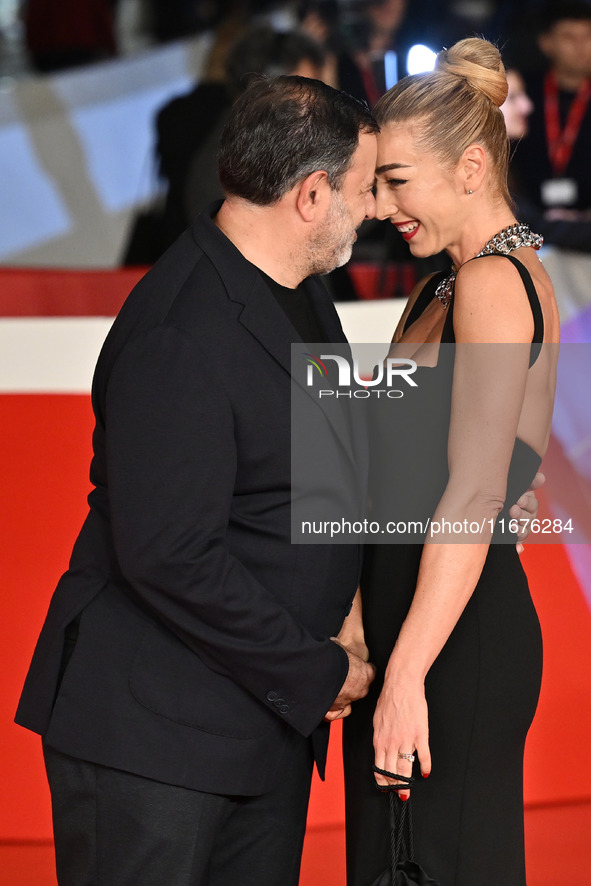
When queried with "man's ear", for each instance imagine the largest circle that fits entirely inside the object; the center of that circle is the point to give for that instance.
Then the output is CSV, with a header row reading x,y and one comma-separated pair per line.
x,y
313,196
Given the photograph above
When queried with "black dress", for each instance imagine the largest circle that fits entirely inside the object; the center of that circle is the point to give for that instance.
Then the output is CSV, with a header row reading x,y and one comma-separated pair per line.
x,y
482,689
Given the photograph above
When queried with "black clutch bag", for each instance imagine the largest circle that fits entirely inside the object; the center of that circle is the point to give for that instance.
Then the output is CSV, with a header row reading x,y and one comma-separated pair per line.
x,y
403,869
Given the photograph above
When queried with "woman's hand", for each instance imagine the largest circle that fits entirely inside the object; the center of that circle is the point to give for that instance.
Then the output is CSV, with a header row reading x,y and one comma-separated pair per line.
x,y
401,726
352,635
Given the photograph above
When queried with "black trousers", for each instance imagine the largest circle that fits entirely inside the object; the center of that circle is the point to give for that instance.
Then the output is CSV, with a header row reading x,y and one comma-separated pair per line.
x,y
113,828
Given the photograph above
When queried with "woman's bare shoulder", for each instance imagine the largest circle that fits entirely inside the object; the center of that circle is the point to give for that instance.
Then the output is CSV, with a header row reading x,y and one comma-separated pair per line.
x,y
491,303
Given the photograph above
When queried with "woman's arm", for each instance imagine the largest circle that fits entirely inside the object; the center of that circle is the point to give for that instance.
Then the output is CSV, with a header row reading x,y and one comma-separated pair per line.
x,y
487,398
352,635
352,638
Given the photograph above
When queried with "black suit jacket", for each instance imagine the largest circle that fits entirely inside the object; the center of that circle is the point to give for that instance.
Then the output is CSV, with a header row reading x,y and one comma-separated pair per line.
x,y
203,641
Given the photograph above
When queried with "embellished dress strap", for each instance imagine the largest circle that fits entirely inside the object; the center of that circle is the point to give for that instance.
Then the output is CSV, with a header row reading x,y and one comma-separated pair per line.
x,y
424,298
536,309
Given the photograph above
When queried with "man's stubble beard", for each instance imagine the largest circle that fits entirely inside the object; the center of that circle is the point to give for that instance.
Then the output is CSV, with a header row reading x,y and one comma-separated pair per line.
x,y
331,245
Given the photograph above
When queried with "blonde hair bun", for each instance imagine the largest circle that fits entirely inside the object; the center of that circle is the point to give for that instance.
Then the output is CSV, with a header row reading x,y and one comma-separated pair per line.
x,y
454,106
479,63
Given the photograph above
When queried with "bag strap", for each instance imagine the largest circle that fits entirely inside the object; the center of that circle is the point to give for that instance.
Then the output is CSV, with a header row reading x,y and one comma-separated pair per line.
x,y
401,839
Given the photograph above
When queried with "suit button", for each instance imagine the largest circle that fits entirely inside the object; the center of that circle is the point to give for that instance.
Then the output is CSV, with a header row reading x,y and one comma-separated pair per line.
x,y
271,696
284,708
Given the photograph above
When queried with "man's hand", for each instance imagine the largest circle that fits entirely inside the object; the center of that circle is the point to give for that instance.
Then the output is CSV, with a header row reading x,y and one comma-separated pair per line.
x,y
526,509
359,677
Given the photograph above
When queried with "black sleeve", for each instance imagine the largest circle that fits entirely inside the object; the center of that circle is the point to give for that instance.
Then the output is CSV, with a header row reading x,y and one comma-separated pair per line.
x,y
171,462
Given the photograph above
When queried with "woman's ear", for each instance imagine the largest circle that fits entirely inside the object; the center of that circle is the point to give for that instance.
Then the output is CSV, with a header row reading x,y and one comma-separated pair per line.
x,y
472,167
313,196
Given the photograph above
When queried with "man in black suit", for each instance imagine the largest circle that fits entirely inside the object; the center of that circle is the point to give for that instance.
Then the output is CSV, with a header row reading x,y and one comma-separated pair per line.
x,y
186,667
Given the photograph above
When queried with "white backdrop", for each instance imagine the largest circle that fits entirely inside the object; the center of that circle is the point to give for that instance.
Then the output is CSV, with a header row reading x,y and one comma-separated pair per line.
x,y
76,154
58,354
77,162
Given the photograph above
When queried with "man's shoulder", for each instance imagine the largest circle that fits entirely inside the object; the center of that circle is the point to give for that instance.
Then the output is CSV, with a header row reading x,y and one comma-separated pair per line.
x,y
183,289
190,270
156,292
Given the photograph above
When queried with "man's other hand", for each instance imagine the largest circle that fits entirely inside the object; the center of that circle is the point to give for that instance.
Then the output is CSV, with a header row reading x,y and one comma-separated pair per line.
x,y
360,675
526,509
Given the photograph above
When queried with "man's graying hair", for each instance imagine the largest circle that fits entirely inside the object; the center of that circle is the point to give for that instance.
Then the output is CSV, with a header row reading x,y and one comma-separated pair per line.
x,y
285,128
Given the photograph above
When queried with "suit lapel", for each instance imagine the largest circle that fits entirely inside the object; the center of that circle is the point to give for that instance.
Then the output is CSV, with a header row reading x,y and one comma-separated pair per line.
x,y
267,322
265,319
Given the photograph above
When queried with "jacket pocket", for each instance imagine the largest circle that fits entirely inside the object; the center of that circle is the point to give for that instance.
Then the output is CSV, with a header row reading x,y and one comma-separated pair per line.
x,y
170,680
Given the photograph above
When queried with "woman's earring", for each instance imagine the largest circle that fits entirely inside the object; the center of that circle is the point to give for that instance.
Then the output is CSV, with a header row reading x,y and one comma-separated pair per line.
x,y
470,191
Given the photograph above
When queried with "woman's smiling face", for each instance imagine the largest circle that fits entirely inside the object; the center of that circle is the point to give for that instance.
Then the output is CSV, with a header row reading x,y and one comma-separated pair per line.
x,y
421,198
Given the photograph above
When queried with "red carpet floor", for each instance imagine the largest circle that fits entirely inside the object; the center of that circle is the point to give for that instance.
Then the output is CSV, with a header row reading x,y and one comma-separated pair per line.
x,y
557,846
44,451
557,841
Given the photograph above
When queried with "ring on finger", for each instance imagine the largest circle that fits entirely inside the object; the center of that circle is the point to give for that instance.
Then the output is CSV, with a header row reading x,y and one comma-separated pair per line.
x,y
409,757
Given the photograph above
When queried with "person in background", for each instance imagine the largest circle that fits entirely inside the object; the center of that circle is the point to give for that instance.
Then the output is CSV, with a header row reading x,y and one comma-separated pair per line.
x,y
178,19
552,161
517,106
384,19
69,33
189,127
557,228
357,36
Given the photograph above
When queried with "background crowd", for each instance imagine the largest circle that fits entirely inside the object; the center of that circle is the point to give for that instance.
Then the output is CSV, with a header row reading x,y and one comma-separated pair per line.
x,y
348,44
361,46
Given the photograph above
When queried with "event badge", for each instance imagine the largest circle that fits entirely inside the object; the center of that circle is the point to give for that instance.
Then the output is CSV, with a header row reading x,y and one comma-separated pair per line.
x,y
559,192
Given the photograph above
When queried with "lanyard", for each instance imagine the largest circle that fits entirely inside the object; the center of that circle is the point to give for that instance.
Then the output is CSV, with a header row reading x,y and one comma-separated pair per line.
x,y
371,87
561,144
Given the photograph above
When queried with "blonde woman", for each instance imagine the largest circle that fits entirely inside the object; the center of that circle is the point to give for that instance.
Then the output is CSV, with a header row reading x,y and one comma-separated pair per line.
x,y
451,625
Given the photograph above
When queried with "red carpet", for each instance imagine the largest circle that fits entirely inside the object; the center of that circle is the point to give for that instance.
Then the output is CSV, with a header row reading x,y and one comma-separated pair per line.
x,y
556,839
44,452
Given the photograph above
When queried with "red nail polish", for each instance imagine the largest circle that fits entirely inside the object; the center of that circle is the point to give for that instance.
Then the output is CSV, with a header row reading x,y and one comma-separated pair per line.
x,y
426,774
404,799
